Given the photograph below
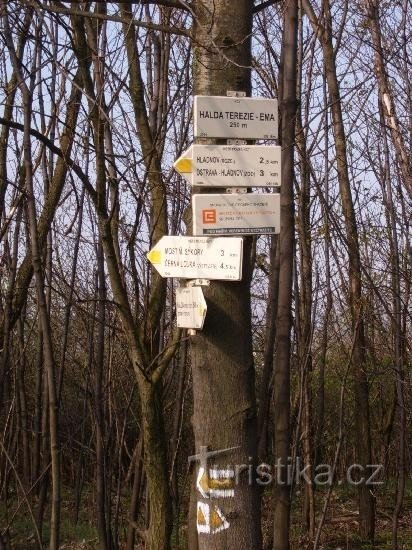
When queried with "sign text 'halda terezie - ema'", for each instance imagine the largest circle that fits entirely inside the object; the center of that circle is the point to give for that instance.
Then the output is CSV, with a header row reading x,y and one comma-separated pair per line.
x,y
235,117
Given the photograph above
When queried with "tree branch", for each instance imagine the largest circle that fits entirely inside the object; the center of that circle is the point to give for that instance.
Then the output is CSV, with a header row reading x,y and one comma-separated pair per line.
x,y
57,151
259,7
178,4
163,358
115,18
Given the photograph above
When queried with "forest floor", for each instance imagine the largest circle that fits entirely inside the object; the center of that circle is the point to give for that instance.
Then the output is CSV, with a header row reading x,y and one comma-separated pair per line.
x,y
339,530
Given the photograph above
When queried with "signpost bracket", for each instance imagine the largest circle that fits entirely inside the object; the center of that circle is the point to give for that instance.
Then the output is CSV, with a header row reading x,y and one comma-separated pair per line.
x,y
236,141
235,93
234,190
197,282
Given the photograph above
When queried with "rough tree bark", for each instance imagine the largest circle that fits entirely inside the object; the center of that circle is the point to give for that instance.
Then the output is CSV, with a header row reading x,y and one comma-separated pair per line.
x,y
304,328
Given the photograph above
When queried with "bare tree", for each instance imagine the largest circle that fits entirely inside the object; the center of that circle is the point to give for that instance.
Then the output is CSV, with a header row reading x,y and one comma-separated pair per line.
x,y
287,96
323,28
27,96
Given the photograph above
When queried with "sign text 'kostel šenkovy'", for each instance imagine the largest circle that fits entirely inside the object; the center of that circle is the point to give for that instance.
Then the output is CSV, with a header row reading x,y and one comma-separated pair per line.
x,y
235,117
236,214
191,307
198,257
231,165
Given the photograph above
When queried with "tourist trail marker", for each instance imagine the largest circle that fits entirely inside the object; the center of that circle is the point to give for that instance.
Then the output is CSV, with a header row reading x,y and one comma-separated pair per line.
x,y
231,165
198,257
210,519
216,483
235,117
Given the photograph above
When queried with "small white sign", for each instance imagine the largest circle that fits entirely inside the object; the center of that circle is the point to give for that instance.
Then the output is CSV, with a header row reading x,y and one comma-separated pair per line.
x,y
235,117
198,257
237,214
190,307
231,165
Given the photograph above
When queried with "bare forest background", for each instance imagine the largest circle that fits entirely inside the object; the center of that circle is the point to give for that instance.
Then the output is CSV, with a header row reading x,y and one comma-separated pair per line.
x,y
96,387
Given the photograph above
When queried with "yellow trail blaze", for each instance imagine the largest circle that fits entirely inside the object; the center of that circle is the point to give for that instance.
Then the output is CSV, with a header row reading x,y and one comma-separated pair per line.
x,y
183,166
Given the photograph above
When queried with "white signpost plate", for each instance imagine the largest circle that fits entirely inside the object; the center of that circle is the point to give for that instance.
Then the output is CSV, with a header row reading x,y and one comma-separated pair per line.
x,y
235,117
190,307
237,214
198,257
231,165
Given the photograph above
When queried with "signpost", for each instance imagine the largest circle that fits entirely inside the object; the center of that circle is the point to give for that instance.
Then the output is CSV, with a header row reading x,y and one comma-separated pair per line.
x,y
237,214
231,165
235,117
198,257
190,307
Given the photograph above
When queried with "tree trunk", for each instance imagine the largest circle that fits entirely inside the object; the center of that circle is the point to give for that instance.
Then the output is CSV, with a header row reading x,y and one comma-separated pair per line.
x,y
362,424
222,362
319,441
403,155
304,327
286,251
265,390
134,501
40,290
397,333
155,461
103,526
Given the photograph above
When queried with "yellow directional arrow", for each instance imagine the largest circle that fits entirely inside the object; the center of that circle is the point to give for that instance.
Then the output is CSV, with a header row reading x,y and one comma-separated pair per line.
x,y
154,256
202,482
183,165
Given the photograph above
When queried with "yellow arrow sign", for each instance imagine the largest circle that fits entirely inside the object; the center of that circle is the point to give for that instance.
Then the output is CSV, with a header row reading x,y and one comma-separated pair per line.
x,y
154,256
187,257
183,165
